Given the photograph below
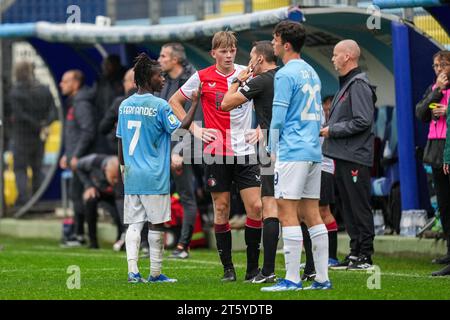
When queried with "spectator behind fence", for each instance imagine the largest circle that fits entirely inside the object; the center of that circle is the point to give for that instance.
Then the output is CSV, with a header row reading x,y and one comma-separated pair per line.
x,y
349,140
31,111
107,88
79,140
432,109
177,71
99,174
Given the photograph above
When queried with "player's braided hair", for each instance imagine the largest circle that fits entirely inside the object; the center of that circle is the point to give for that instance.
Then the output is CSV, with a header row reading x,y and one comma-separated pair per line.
x,y
144,69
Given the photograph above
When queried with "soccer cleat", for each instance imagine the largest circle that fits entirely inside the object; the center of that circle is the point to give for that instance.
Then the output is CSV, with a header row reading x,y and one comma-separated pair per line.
x,y
260,278
443,272
135,278
249,276
229,275
179,254
320,286
442,260
343,265
283,285
160,279
308,276
332,262
363,263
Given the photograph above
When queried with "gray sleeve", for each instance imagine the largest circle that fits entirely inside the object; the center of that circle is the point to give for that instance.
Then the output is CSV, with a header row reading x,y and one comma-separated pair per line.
x,y
84,115
84,167
361,100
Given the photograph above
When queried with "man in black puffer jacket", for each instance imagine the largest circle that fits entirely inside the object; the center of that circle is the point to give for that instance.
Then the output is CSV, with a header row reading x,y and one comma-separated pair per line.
x,y
79,137
349,141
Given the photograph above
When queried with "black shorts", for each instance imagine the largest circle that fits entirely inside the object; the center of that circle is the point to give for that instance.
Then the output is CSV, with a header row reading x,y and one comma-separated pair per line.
x,y
326,189
219,176
267,181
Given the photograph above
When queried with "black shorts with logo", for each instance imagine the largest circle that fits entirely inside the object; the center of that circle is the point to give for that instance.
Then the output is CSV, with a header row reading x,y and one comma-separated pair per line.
x,y
326,189
219,176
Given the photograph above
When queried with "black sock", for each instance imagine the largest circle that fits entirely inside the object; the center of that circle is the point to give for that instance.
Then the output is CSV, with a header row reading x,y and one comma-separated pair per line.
x,y
332,244
309,267
223,242
271,233
253,242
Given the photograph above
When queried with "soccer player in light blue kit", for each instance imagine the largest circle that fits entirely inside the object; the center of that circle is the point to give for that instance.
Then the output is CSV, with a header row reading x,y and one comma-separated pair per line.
x,y
144,129
294,142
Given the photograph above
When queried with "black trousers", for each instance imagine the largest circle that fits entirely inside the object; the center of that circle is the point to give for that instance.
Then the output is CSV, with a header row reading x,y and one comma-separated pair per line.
x,y
91,215
27,152
442,188
184,183
353,183
76,194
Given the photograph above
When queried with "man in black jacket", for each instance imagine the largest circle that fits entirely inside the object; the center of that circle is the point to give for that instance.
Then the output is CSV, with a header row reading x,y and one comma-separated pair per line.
x,y
32,110
106,89
177,71
99,174
79,137
349,140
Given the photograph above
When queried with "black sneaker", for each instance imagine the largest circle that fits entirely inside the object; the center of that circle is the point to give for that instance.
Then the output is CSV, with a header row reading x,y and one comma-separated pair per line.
x,y
363,263
94,245
229,275
309,276
249,276
443,272
343,265
260,278
442,260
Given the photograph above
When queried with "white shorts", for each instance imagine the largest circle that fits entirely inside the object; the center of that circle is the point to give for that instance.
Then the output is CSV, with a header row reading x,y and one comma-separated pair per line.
x,y
297,180
148,207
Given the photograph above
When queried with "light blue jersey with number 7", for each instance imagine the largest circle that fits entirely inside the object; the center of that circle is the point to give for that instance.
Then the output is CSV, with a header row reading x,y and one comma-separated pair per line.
x,y
145,125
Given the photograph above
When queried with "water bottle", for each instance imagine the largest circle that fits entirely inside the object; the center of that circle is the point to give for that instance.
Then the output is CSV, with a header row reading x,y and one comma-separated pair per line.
x,y
378,221
406,224
420,220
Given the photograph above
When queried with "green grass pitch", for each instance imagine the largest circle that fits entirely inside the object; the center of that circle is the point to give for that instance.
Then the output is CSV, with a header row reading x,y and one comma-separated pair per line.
x,y
37,269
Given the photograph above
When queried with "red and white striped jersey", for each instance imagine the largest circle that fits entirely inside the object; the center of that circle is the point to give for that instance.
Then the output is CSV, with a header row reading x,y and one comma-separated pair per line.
x,y
232,125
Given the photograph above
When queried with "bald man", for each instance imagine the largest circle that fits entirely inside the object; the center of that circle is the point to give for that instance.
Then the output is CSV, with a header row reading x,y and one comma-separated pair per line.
x,y
349,141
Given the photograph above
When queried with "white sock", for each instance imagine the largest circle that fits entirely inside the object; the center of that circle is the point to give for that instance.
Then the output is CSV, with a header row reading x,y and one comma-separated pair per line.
x,y
319,243
132,243
156,245
292,247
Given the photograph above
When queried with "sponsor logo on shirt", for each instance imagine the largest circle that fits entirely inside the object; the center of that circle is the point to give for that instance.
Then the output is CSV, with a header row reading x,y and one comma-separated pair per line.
x,y
355,175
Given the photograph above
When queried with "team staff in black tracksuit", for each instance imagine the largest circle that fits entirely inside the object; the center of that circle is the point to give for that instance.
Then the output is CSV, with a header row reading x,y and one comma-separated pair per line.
x,y
260,88
108,87
99,174
177,71
79,137
349,140
31,110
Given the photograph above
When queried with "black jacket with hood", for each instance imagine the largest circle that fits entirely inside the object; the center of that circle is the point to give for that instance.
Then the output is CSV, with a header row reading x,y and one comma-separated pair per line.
x,y
351,120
